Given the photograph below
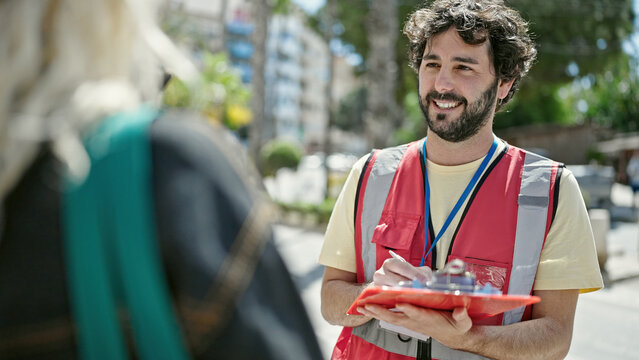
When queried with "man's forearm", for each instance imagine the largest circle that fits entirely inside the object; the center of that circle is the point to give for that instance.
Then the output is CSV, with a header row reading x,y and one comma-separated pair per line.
x,y
547,336
337,297
535,339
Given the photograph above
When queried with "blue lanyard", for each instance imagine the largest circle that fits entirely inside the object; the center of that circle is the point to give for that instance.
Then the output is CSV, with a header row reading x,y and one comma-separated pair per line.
x,y
459,203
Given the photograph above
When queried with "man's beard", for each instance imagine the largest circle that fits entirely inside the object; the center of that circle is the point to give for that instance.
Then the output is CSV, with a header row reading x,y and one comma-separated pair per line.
x,y
472,119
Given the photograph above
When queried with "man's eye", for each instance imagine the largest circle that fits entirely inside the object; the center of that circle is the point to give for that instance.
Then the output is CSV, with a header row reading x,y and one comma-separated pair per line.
x,y
463,67
431,65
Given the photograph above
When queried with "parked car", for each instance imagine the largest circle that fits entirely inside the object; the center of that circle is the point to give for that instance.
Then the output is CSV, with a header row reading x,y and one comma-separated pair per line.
x,y
595,182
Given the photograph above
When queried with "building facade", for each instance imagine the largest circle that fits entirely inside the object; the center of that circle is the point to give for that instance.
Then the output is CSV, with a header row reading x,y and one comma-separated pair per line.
x,y
297,65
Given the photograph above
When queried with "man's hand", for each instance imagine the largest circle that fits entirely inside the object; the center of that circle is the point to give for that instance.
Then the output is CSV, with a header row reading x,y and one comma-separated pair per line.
x,y
547,336
448,327
393,271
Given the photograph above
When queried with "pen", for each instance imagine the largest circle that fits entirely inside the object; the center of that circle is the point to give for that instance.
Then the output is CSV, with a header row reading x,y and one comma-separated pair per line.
x,y
395,256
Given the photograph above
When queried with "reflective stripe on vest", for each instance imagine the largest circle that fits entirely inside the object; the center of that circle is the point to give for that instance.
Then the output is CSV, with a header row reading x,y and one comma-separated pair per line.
x,y
380,180
532,215
385,339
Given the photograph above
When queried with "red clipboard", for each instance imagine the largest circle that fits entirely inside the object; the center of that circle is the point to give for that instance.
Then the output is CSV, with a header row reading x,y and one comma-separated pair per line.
x,y
479,305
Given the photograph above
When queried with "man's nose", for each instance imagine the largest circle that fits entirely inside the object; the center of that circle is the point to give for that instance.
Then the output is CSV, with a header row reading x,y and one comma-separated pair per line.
x,y
444,81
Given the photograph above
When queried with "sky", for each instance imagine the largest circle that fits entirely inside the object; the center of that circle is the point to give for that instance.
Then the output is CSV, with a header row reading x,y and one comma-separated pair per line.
x,y
311,6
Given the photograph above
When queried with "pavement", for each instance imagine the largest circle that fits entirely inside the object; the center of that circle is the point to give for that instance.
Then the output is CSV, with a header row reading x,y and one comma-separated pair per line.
x,y
300,249
606,321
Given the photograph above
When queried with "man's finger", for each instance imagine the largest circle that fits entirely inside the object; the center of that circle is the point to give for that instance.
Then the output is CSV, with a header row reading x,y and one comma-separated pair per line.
x,y
460,314
381,313
388,278
402,268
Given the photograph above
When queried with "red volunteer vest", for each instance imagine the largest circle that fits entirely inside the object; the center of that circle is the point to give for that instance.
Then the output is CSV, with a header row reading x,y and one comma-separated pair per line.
x,y
484,238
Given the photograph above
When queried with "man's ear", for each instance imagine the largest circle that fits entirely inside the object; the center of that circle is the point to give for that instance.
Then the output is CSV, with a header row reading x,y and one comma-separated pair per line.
x,y
504,88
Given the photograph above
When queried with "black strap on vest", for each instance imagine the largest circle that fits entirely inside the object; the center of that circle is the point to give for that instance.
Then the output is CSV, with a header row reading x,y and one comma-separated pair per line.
x,y
359,184
424,349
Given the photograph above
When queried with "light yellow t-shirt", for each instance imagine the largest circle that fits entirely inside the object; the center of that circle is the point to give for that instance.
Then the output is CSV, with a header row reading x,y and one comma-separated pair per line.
x,y
568,259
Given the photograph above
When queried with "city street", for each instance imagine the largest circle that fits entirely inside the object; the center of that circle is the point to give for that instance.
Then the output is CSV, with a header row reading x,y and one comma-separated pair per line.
x,y
606,324
300,249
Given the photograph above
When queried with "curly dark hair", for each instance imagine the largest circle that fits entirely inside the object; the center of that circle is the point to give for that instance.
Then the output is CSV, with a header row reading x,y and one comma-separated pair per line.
x,y
511,48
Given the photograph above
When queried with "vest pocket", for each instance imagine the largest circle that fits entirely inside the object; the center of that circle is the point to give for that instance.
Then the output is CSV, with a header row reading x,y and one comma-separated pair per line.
x,y
395,231
487,271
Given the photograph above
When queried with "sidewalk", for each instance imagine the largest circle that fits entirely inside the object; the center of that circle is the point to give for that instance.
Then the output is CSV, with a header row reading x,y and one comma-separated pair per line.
x,y
623,237
607,321
300,249
623,253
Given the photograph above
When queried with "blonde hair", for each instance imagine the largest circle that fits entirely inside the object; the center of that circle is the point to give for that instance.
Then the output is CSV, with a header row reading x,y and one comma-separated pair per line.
x,y
65,64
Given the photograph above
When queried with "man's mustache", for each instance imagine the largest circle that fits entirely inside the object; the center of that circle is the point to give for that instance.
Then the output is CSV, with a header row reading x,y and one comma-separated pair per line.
x,y
434,95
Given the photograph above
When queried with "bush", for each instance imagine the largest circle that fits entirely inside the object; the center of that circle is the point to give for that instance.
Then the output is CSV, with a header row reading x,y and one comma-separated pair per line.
x,y
277,154
325,209
220,95
322,211
595,155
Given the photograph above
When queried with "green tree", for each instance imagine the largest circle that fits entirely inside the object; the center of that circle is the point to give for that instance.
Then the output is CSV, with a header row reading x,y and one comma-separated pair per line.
x,y
277,154
350,113
381,74
575,39
544,105
220,96
262,12
610,99
414,126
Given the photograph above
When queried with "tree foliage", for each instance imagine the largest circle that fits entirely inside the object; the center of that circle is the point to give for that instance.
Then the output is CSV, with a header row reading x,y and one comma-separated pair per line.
x,y
610,99
414,127
575,39
544,105
350,113
586,33
277,154
220,96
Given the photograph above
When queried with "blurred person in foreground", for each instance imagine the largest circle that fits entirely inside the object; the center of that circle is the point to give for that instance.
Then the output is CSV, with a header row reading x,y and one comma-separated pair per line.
x,y
66,66
522,225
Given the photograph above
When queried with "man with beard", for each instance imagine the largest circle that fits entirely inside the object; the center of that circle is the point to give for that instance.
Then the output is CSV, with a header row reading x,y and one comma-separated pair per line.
x,y
460,193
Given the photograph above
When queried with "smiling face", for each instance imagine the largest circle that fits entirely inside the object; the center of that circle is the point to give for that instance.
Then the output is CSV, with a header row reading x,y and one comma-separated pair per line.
x,y
457,87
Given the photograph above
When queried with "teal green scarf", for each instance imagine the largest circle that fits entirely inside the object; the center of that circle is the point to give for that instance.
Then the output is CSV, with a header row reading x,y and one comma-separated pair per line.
x,y
111,247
